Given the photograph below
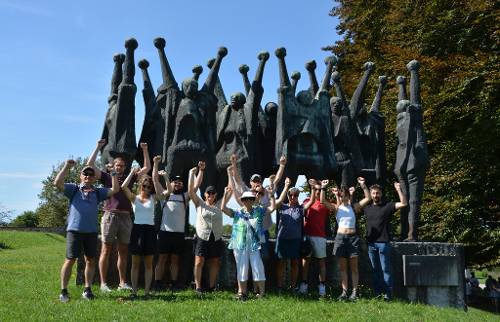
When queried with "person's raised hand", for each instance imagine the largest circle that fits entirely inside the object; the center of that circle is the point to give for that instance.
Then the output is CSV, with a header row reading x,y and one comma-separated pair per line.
x,y
162,173
70,163
352,190
143,145
201,165
288,182
101,143
335,191
157,159
397,186
361,181
283,160
324,183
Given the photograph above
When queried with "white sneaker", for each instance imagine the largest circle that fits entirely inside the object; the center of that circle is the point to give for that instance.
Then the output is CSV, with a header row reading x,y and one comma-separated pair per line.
x,y
322,290
303,288
105,288
125,287
64,298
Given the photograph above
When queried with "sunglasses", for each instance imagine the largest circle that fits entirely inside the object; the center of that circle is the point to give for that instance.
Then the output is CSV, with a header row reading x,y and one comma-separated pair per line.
x,y
88,174
147,186
293,196
210,192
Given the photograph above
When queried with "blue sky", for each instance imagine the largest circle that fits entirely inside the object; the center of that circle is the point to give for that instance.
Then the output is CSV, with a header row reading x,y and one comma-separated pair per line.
x,y
56,65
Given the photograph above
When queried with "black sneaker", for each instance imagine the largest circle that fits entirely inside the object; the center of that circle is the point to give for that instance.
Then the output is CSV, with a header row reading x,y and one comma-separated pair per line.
x,y
241,297
199,292
88,295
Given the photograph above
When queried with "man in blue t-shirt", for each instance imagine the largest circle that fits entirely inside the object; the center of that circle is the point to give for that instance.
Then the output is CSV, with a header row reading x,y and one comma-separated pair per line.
x,y
82,223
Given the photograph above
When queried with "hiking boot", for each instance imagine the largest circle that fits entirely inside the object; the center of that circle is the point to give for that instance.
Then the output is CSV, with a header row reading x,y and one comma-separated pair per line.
x,y
125,287
88,295
64,297
322,290
343,296
105,288
303,288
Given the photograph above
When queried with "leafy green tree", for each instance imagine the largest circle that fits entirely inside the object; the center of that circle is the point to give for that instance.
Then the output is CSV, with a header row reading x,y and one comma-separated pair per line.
x,y
53,208
26,219
458,44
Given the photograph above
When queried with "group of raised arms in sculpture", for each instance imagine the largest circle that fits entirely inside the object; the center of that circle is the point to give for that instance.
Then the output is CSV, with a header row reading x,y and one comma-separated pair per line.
x,y
199,140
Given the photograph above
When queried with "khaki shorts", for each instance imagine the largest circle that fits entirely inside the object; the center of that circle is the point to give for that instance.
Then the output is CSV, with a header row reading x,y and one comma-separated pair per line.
x,y
318,245
116,226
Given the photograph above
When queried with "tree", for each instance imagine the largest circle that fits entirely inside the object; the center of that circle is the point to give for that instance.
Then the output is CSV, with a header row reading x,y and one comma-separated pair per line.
x,y
457,43
53,208
4,215
26,219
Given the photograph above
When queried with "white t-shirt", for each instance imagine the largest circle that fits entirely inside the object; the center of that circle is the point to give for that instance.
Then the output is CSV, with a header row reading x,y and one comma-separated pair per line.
x,y
174,213
208,220
144,212
346,217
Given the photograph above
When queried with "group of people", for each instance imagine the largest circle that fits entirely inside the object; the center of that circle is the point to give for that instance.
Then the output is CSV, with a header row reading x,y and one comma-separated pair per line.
x,y
300,228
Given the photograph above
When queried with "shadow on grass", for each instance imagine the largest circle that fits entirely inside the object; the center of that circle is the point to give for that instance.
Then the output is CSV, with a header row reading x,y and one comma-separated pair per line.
x,y
59,238
4,246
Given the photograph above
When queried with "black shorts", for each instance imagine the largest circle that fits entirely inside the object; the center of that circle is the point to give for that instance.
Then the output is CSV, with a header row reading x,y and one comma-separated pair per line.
x,y
143,240
75,241
346,246
288,248
170,242
210,248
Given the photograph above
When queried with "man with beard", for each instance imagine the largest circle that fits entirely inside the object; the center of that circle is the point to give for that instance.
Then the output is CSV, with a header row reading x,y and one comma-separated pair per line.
x,y
173,226
378,217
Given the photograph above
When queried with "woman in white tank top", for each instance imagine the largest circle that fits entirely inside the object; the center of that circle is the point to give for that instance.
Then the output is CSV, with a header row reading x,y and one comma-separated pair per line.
x,y
143,236
346,247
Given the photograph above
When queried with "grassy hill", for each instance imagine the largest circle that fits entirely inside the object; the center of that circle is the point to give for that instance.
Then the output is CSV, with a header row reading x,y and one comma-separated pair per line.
x,y
29,288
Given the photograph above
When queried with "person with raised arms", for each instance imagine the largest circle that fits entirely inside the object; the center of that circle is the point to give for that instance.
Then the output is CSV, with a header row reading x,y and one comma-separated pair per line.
x,y
290,231
208,244
116,223
346,246
143,237
247,237
81,230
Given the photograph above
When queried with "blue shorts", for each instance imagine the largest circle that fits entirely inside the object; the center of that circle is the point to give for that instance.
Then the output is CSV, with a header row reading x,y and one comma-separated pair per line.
x,y
288,248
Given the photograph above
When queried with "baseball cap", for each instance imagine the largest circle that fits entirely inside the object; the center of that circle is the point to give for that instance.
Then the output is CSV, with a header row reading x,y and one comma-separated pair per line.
x,y
256,177
88,169
175,178
210,189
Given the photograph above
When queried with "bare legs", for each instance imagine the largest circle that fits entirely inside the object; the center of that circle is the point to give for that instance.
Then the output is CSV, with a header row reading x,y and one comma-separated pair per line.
x,y
148,273
68,266
174,267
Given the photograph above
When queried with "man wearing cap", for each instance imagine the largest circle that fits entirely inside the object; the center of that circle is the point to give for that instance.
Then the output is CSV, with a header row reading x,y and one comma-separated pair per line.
x,y
262,195
208,245
116,223
82,223
173,227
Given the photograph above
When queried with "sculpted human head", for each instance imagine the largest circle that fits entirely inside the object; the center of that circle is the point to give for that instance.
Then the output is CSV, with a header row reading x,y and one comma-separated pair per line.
x,y
336,105
304,98
238,100
190,87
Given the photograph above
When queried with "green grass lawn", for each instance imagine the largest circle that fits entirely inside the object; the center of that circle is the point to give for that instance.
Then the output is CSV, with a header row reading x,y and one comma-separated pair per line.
x,y
29,289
